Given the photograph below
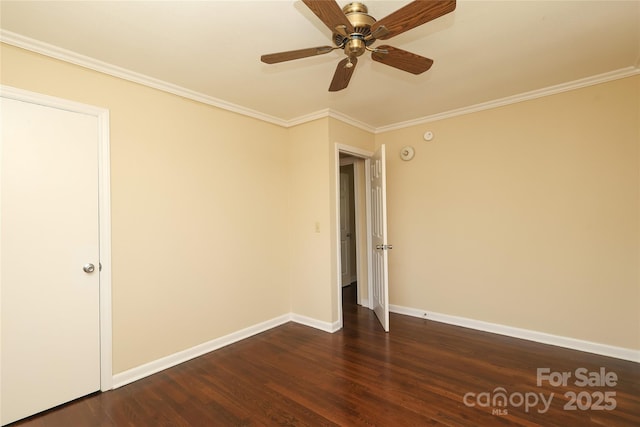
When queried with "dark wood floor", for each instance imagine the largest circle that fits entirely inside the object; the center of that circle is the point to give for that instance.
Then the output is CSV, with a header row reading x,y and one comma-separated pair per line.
x,y
418,374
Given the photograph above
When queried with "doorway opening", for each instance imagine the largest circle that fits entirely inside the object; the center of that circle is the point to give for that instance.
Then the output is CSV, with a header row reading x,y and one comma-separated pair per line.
x,y
352,214
372,247
348,231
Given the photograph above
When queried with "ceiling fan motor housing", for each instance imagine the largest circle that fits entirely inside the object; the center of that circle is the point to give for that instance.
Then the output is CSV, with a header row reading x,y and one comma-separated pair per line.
x,y
355,43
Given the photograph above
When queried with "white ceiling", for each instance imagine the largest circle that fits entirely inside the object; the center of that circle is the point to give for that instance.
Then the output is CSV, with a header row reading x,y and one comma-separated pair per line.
x,y
483,51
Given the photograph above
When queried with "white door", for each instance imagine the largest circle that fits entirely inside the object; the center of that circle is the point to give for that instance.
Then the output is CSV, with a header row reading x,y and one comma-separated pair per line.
x,y
380,246
50,324
345,229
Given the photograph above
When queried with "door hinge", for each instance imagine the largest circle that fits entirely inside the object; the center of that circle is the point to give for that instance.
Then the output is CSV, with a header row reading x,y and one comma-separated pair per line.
x,y
384,247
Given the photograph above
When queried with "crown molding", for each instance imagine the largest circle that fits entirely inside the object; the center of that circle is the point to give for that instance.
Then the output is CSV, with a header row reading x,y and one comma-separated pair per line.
x,y
328,112
538,93
351,121
55,52
320,114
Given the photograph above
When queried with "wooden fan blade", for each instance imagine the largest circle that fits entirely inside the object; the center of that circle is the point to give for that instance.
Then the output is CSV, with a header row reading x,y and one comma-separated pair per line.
x,y
330,13
342,75
273,58
402,60
412,15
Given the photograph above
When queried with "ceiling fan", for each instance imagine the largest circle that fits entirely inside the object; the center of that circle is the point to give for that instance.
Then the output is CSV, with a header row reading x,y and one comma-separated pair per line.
x,y
354,31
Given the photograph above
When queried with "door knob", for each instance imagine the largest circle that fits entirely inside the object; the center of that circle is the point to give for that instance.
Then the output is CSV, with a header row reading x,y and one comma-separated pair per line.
x,y
88,268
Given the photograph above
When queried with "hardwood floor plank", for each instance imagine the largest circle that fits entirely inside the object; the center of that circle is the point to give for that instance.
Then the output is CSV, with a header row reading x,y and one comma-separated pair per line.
x,y
421,373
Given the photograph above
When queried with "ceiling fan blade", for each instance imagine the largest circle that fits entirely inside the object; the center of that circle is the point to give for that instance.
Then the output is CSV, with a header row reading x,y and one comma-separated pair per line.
x,y
273,58
401,59
342,75
331,14
412,15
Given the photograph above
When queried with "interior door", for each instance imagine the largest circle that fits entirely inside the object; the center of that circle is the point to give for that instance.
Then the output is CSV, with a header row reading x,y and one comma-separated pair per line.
x,y
49,258
345,230
380,246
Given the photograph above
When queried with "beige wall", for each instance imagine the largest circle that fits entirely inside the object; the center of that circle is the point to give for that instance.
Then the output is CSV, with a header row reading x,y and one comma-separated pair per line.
x,y
213,214
310,224
313,254
525,215
199,204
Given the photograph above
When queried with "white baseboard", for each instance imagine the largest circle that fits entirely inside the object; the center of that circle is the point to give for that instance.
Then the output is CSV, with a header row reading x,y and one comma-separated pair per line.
x,y
166,362
142,371
315,323
541,337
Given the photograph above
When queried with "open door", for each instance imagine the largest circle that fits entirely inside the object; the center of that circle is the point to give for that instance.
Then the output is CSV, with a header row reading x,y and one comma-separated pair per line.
x,y
380,246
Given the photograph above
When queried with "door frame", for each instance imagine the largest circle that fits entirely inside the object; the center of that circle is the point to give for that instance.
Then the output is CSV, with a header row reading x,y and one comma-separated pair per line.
x,y
366,156
104,212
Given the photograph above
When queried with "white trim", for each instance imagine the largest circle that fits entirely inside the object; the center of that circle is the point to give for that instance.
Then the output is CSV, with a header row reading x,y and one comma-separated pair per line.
x,y
122,73
351,121
56,52
104,212
362,251
369,214
167,362
52,51
527,334
317,324
321,114
539,93
18,94
354,151
338,247
104,215
171,360
158,365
